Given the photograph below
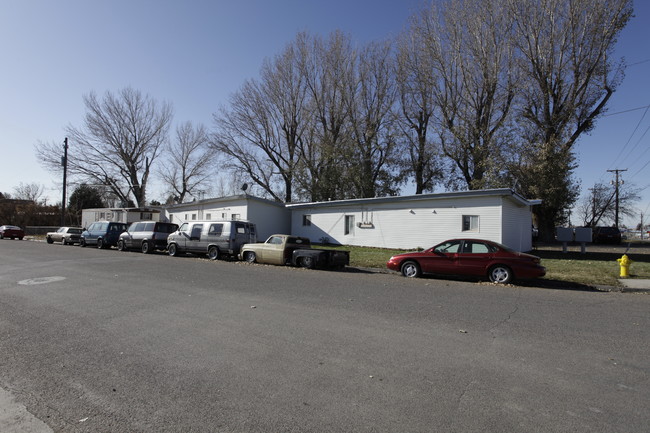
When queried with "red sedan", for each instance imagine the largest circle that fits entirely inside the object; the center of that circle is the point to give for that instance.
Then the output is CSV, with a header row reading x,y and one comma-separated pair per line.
x,y
473,257
12,232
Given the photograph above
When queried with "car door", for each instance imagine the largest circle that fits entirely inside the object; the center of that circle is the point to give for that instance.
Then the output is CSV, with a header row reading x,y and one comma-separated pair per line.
x,y
442,259
196,242
474,258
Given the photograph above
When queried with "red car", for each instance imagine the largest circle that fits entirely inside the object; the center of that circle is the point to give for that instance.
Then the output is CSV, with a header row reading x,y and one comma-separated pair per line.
x,y
473,257
12,232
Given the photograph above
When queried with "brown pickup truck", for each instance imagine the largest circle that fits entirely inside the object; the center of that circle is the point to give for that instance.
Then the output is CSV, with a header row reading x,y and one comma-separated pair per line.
x,y
293,250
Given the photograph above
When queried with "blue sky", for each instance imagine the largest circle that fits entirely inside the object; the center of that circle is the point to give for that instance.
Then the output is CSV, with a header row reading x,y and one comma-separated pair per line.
x,y
195,53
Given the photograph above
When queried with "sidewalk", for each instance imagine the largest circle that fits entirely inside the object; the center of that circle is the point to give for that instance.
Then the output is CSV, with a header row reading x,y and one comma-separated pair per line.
x,y
14,417
634,285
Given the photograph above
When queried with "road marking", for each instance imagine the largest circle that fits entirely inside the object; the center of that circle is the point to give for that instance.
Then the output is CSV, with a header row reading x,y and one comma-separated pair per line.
x,y
42,280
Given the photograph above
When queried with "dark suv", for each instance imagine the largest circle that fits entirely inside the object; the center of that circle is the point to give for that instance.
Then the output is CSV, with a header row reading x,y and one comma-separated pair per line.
x,y
104,234
146,236
610,235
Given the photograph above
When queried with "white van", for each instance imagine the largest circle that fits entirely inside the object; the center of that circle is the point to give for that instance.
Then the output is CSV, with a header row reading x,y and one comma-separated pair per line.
x,y
214,238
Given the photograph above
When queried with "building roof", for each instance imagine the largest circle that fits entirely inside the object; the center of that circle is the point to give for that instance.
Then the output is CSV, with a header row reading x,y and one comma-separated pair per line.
x,y
420,197
217,200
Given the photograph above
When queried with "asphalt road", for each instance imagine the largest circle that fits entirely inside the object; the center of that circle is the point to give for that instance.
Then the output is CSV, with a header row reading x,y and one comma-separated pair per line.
x,y
105,341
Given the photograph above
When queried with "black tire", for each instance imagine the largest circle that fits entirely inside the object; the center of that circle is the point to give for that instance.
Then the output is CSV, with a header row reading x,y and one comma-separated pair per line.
x,y
100,244
250,257
172,250
500,274
64,241
411,269
50,240
145,247
82,242
2,236
121,245
307,262
213,252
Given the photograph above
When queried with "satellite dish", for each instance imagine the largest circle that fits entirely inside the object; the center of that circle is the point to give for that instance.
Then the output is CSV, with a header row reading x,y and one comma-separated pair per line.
x,y
244,187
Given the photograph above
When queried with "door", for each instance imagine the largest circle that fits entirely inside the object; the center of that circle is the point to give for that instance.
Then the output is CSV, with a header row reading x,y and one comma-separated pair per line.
x,y
474,258
196,242
442,259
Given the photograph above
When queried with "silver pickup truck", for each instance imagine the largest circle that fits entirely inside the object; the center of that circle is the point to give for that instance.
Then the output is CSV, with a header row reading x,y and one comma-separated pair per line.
x,y
293,250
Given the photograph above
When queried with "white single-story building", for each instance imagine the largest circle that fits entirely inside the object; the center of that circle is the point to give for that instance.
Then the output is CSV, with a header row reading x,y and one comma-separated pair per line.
x,y
124,215
269,216
405,222
418,221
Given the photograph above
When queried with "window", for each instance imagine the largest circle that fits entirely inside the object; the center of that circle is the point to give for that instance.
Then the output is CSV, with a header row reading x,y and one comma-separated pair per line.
x,y
208,216
349,224
470,223
236,216
215,229
306,220
448,247
146,215
224,216
193,217
476,247
196,231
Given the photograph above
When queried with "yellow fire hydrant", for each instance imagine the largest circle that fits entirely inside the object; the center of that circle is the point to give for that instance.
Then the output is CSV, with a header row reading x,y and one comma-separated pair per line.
x,y
625,263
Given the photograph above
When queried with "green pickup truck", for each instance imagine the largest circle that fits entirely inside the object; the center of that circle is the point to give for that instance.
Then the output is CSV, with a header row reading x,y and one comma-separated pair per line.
x,y
293,250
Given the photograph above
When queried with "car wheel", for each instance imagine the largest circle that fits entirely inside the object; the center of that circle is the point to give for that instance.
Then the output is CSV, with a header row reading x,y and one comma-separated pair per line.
x,y
411,269
64,241
146,247
20,238
213,253
82,242
100,243
250,257
172,250
49,240
500,274
121,246
307,262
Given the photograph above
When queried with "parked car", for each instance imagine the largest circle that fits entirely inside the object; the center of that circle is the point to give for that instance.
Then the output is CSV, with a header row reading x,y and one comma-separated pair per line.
x,y
472,257
214,238
11,232
609,235
104,234
293,250
146,236
65,235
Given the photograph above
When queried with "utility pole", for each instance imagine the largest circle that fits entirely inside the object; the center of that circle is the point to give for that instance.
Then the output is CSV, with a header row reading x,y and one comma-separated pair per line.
x,y
64,163
593,206
617,183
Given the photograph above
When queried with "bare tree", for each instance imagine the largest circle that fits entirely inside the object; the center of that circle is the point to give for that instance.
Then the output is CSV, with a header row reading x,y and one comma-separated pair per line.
x,y
600,205
327,66
263,129
372,167
187,165
119,141
565,50
29,191
414,77
468,46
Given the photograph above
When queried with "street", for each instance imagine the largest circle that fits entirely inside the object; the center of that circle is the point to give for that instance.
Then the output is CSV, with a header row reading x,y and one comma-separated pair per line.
x,y
106,341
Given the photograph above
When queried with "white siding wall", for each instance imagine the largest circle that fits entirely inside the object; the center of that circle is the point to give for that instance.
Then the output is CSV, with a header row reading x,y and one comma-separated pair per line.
x,y
269,219
192,212
403,225
517,226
